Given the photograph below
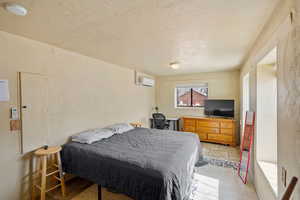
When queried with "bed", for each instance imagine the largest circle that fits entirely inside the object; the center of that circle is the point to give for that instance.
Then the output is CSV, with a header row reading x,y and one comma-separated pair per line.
x,y
145,164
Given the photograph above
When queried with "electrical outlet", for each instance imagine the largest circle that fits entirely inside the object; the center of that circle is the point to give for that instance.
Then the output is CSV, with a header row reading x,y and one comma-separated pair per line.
x,y
283,176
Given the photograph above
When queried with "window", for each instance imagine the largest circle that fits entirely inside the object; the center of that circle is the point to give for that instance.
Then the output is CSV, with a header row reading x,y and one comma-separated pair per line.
x,y
191,96
267,113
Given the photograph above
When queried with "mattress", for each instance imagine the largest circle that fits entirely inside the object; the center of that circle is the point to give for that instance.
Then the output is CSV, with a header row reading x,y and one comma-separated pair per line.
x,y
145,164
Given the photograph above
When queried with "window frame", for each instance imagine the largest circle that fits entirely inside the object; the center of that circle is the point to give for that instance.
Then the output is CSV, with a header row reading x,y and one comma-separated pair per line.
x,y
190,87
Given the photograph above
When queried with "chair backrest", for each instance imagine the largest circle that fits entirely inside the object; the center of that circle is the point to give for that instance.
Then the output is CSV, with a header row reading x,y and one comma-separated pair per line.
x,y
159,120
289,190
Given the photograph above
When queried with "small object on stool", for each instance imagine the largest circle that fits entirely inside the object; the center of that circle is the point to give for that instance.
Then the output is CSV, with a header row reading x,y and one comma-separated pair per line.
x,y
136,124
56,170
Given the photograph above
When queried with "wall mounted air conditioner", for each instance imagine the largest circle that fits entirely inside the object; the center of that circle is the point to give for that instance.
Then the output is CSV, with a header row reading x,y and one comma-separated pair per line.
x,y
146,81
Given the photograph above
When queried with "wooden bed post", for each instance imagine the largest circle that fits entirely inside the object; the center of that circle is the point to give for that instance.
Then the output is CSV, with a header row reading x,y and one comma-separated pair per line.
x,y
99,192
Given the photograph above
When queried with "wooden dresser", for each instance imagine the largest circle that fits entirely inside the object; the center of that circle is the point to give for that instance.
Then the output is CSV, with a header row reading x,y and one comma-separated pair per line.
x,y
218,130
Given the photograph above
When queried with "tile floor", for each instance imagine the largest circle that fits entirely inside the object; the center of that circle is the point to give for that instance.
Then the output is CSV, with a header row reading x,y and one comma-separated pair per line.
x,y
213,183
219,183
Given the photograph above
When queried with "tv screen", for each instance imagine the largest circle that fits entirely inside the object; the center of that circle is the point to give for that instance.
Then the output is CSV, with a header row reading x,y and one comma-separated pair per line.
x,y
222,108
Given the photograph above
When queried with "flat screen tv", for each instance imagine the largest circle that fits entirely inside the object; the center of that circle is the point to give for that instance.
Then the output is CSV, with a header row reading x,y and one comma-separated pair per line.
x,y
220,108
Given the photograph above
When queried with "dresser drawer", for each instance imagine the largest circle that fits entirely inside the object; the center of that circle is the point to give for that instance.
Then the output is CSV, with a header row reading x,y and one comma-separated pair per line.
x,y
227,138
208,124
208,130
189,128
217,137
226,131
226,125
189,122
202,136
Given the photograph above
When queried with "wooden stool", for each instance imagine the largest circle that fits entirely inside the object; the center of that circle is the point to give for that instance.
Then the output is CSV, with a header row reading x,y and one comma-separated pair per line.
x,y
43,171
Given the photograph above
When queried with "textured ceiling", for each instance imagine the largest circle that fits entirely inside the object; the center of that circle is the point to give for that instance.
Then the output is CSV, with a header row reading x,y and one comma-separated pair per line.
x,y
203,35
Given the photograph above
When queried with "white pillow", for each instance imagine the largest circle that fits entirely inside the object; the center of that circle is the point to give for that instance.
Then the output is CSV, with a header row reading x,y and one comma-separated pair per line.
x,y
92,135
120,128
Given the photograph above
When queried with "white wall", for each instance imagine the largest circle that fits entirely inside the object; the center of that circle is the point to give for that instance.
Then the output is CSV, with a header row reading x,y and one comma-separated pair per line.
x,y
246,103
281,33
83,93
221,85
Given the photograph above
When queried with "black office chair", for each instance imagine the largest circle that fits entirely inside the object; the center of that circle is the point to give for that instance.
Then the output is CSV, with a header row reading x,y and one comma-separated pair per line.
x,y
160,121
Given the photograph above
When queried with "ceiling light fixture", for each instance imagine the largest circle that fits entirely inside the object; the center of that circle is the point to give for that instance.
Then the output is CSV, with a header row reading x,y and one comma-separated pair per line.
x,y
174,65
16,9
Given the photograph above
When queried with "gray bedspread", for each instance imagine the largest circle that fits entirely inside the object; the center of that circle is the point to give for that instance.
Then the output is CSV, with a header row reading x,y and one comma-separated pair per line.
x,y
145,164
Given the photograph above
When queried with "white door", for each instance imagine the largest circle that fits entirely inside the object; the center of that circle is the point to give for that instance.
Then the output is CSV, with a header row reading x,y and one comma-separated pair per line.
x,y
246,100
34,108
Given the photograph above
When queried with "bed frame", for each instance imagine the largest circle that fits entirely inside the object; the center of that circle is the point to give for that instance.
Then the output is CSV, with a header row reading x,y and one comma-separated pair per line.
x,y
99,192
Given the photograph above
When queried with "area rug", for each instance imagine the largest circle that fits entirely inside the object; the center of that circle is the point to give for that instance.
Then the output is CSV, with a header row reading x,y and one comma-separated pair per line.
x,y
218,162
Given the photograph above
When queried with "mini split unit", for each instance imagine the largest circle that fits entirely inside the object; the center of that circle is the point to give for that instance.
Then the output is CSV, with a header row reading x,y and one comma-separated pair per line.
x,y
143,80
